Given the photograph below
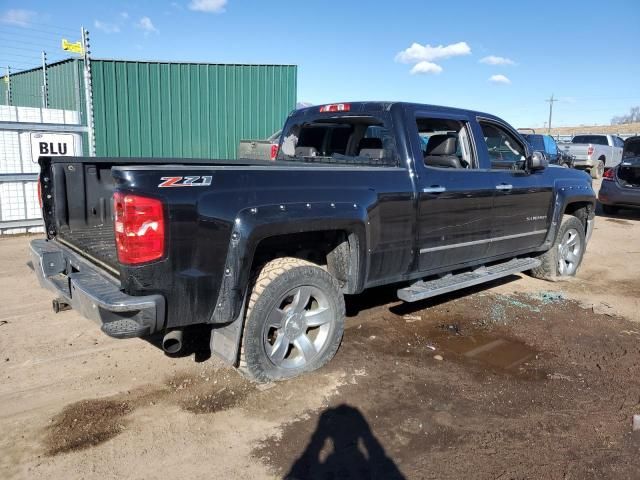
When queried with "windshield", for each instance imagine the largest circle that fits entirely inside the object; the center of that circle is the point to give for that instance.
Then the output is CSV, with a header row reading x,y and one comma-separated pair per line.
x,y
346,139
595,139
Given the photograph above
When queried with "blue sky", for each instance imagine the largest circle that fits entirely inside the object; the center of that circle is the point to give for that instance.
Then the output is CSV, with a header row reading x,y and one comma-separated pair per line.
x,y
584,52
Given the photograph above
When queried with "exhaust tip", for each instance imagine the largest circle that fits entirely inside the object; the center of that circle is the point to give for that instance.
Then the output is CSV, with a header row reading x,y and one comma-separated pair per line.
x,y
59,305
172,342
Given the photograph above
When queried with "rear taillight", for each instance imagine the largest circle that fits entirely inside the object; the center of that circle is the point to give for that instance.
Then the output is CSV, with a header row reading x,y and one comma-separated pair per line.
x,y
39,193
274,151
608,174
139,228
590,150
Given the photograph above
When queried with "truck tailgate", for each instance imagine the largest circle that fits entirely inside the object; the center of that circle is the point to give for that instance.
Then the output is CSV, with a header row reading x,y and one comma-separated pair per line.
x,y
78,207
578,150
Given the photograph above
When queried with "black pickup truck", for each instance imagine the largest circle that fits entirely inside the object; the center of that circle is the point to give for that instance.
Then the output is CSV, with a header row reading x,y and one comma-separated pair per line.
x,y
429,198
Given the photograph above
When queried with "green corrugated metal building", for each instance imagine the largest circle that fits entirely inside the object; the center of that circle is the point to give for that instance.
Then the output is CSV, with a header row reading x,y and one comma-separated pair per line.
x,y
167,109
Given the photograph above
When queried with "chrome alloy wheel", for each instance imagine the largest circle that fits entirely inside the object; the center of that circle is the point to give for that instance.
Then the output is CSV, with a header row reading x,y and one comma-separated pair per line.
x,y
569,250
297,328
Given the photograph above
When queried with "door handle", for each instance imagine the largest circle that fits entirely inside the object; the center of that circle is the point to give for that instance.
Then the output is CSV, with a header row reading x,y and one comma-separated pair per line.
x,y
434,189
504,187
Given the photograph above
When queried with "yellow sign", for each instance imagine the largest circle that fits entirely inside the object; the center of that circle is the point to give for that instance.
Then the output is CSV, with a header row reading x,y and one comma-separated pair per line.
x,y
6,79
71,47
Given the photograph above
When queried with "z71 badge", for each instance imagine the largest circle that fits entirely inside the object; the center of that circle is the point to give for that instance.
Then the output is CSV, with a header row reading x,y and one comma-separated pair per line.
x,y
195,181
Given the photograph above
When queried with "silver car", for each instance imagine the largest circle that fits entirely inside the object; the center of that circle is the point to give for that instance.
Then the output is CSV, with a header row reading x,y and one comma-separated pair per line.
x,y
621,184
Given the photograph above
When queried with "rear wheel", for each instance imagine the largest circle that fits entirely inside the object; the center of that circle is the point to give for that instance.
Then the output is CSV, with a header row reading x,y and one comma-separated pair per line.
x,y
565,256
598,170
609,209
294,321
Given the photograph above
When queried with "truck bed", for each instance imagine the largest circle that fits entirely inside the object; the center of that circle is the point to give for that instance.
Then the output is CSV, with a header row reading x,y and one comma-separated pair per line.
x,y
81,191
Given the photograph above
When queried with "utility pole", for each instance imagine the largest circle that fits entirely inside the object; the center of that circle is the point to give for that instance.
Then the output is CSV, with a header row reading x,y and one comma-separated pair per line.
x,y
8,80
45,86
550,100
88,90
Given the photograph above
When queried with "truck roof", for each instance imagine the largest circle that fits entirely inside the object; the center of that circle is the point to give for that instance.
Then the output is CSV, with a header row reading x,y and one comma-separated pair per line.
x,y
372,106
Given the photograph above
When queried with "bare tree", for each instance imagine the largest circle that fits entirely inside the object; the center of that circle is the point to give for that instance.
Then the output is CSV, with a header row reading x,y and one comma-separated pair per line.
x,y
632,117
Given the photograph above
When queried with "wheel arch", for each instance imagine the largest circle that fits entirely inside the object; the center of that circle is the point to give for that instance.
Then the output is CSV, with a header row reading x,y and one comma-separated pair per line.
x,y
305,231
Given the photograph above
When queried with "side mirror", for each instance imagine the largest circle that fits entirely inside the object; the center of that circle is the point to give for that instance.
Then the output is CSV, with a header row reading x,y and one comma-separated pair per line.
x,y
536,161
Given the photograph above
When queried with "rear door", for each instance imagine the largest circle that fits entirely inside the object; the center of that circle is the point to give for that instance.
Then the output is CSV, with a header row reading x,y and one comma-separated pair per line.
x,y
522,200
454,195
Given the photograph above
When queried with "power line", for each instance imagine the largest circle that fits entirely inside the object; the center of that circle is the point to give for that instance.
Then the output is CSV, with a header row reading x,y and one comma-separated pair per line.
x,y
52,30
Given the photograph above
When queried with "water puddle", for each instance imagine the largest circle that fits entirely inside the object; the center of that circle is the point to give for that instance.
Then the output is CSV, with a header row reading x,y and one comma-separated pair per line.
x,y
487,348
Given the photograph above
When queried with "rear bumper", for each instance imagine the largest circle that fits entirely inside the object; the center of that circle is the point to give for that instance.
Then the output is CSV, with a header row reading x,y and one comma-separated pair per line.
x,y
584,163
611,193
95,294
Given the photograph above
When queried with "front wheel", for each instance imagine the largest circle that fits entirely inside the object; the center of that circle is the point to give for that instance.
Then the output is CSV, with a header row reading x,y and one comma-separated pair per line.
x,y
294,321
564,257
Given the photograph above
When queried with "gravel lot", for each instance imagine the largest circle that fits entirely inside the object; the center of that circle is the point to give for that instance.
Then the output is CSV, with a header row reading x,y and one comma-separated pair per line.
x,y
519,379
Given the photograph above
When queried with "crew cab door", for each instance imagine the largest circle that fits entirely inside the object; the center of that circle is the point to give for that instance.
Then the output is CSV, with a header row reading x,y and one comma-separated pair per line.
x,y
454,195
522,199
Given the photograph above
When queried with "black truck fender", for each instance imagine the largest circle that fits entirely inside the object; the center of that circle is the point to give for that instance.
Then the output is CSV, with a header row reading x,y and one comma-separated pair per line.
x,y
255,224
566,196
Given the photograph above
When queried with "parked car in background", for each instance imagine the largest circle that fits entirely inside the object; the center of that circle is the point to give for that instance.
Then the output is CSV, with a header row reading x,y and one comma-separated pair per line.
x,y
547,145
621,184
594,152
260,149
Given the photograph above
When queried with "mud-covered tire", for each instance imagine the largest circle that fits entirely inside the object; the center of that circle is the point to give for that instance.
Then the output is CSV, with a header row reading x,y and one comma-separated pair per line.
x,y
549,269
598,170
609,209
274,284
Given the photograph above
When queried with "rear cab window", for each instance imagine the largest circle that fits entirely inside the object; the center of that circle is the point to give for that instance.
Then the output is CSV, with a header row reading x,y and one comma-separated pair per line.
x,y
344,137
593,139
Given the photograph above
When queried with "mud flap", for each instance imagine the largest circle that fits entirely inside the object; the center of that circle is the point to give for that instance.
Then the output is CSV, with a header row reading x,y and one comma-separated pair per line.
x,y
225,340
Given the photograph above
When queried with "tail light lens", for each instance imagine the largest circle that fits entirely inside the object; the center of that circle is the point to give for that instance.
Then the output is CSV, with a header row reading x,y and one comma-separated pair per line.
x,y
274,151
608,174
590,150
39,193
139,228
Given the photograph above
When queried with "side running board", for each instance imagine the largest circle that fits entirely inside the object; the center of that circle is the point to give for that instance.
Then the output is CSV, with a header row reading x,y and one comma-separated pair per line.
x,y
430,288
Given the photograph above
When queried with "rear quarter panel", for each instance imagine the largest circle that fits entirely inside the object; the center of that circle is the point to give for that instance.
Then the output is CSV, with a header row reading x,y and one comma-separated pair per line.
x,y
213,231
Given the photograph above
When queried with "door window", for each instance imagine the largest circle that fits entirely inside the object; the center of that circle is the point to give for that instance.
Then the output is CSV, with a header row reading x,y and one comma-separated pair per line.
x,y
505,151
445,143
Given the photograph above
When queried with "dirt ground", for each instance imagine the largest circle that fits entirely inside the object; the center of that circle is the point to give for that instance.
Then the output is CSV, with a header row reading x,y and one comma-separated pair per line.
x,y
518,379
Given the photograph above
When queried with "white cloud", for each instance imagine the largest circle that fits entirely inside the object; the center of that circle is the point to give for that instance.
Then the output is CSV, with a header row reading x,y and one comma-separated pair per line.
x,y
106,27
209,6
146,25
419,53
494,60
21,18
499,79
426,67
124,15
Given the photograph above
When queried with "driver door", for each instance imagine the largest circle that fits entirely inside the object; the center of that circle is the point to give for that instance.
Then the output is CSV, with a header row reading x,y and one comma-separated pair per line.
x,y
522,201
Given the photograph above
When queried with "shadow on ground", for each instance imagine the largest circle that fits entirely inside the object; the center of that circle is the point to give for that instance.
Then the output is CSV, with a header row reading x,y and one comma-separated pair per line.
x,y
343,446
